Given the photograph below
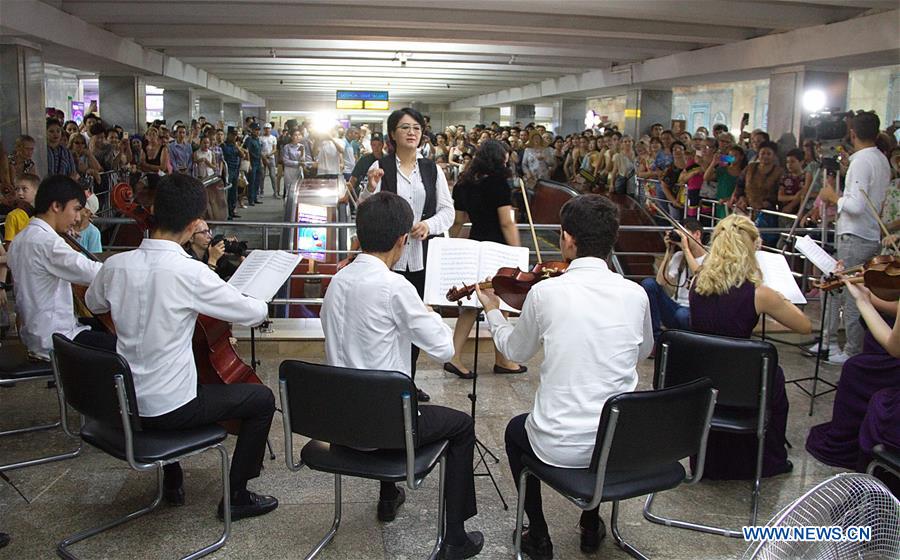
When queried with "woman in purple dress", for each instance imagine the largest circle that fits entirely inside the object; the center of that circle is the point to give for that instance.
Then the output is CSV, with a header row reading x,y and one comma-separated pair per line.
x,y
727,299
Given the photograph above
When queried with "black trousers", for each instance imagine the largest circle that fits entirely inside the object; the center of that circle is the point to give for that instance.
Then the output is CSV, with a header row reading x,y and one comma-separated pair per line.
x,y
517,445
251,403
417,279
437,423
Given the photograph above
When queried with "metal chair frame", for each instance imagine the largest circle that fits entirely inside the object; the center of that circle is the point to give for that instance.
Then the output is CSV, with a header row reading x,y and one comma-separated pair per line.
x,y
599,483
757,479
124,408
411,482
878,463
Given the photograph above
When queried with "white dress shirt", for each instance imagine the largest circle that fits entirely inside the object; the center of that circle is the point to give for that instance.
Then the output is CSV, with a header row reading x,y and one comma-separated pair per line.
x,y
329,159
154,294
371,316
594,326
413,191
45,267
869,171
679,273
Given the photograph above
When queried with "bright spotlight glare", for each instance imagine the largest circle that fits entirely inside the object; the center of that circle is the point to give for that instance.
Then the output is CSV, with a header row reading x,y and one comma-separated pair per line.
x,y
324,122
813,100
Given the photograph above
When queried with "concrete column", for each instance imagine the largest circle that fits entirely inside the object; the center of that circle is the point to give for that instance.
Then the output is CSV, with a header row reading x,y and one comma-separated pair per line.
x,y
123,102
22,100
487,115
211,108
643,107
524,113
787,116
232,114
178,105
571,116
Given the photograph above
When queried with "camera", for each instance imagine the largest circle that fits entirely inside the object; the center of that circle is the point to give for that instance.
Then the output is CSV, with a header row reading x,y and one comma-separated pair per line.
x,y
674,237
237,248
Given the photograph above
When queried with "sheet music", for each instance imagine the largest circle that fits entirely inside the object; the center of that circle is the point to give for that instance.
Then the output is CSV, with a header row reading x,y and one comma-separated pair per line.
x,y
778,276
263,273
816,255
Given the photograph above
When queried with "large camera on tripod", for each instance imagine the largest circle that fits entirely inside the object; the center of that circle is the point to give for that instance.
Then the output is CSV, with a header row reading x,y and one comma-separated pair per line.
x,y
829,129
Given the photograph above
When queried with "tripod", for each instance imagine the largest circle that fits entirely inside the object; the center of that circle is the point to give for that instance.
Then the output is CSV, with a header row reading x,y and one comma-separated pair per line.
x,y
482,450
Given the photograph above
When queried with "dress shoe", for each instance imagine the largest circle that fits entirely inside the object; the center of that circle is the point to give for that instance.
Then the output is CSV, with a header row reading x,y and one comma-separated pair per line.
x,y
259,505
235,215
387,509
590,540
521,369
473,545
257,201
422,395
174,496
537,548
4,539
450,368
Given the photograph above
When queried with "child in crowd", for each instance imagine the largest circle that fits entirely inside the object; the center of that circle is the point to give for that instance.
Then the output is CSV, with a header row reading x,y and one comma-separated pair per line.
x,y
87,233
204,160
26,189
790,192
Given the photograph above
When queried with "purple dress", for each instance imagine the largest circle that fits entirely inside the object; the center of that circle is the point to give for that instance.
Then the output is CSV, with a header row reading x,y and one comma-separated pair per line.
x,y
866,410
733,456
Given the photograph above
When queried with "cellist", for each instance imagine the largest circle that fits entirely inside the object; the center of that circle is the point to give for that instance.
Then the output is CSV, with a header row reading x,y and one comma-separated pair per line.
x,y
154,294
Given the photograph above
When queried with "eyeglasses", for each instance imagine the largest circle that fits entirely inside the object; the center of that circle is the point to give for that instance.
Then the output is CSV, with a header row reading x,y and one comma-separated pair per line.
x,y
204,232
407,127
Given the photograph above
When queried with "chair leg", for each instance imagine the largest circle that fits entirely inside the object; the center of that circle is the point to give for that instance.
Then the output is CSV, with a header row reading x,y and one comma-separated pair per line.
x,y
669,522
31,429
42,460
757,479
271,449
62,547
520,513
620,542
442,508
337,520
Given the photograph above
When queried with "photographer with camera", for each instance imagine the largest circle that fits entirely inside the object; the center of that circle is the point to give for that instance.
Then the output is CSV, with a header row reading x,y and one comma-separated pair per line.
x,y
221,255
681,261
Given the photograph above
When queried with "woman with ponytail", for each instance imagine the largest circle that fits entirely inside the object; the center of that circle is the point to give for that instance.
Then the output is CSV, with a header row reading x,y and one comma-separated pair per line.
x,y
727,299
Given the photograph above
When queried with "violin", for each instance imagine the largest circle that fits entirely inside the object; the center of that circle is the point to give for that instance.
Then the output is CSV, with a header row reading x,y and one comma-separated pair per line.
x,y
881,275
511,284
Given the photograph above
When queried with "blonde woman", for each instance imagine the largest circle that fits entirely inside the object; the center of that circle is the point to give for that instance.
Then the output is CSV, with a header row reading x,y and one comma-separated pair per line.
x,y
726,299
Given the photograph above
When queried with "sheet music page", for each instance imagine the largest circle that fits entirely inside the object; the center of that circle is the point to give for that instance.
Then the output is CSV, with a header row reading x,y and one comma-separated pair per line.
x,y
778,276
816,255
263,273
451,263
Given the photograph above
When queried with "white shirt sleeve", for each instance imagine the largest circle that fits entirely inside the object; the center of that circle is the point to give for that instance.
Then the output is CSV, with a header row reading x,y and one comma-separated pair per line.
x,y
62,261
95,298
853,201
647,344
424,328
218,299
674,265
518,343
445,213
366,193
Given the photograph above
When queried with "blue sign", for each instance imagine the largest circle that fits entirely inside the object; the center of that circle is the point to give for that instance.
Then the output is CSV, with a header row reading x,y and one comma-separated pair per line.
x,y
362,95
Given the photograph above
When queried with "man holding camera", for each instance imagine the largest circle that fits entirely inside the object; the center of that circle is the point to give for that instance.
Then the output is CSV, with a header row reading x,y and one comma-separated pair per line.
x,y
681,261
210,250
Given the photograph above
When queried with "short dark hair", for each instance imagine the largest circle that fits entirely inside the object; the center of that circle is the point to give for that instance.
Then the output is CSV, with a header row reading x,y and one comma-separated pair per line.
x,y
692,224
180,199
796,153
394,120
769,144
866,125
593,220
764,134
381,220
51,121
57,188
677,143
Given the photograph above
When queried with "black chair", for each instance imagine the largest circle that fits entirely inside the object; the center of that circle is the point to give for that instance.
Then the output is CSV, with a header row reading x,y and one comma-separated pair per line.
x,y
15,367
344,410
638,450
98,384
887,458
742,370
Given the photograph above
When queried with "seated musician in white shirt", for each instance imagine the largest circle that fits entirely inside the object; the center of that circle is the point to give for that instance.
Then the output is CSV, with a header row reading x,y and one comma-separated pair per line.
x,y
44,267
154,294
595,326
371,316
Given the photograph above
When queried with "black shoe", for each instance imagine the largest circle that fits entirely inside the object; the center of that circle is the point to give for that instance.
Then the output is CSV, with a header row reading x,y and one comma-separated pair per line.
x,y
387,509
235,215
174,496
474,544
4,539
590,540
537,548
259,505
259,201
450,368
498,369
422,396
51,384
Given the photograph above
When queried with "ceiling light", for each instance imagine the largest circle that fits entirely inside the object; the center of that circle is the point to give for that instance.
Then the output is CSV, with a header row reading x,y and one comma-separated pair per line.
x,y
512,59
813,100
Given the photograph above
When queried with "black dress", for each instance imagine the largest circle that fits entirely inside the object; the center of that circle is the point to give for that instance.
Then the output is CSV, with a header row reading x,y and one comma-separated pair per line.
x,y
481,199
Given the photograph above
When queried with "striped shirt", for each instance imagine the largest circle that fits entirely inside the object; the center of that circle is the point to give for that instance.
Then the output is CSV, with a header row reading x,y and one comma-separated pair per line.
x,y
60,161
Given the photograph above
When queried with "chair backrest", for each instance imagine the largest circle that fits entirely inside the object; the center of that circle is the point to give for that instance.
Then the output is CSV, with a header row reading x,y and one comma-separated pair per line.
x,y
735,365
87,378
653,428
351,407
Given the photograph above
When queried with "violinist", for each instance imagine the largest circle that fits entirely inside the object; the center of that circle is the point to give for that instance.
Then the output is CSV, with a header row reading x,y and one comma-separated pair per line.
x,y
154,294
45,268
595,326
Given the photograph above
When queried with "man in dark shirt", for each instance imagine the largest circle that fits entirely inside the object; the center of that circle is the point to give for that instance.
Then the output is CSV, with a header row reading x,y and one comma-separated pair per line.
x,y
358,178
231,153
254,147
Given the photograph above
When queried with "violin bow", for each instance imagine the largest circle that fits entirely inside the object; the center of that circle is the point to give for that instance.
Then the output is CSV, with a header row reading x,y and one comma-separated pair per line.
x,y
537,247
875,213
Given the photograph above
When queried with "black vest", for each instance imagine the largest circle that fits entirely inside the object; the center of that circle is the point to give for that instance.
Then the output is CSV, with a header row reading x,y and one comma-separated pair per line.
x,y
429,172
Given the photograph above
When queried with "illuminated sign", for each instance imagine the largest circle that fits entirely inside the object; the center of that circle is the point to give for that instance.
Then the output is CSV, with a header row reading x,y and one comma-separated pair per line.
x,y
362,100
